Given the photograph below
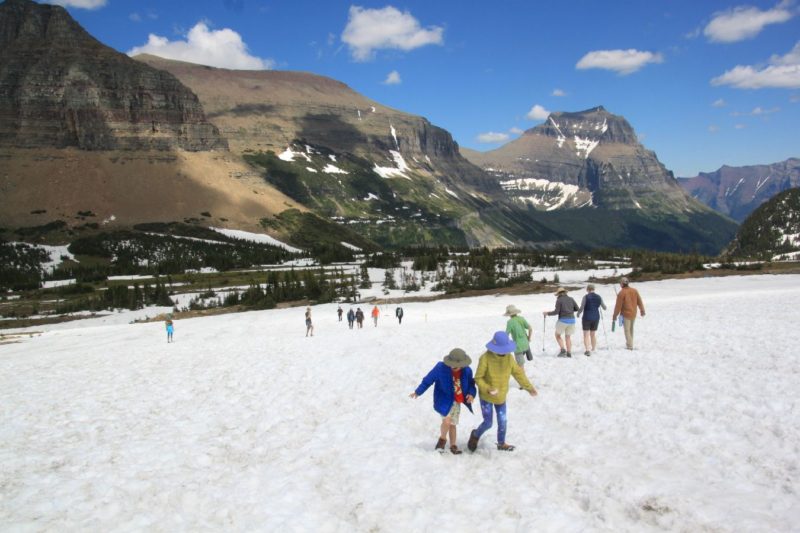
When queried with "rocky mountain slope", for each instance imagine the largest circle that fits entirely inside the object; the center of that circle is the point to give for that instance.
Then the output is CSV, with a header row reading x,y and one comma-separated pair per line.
x,y
587,158
84,128
591,165
394,175
772,231
737,191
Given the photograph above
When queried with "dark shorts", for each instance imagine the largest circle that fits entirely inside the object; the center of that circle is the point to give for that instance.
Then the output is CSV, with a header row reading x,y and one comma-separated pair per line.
x,y
590,325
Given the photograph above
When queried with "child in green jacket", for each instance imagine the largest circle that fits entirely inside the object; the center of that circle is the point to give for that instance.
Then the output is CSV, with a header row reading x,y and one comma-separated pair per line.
x,y
495,367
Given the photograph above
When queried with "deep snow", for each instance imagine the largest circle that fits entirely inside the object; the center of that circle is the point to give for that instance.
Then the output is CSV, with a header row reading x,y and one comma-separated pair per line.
x,y
244,424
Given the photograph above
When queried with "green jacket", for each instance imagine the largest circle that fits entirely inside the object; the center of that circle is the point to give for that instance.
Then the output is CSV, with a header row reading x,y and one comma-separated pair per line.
x,y
493,373
518,328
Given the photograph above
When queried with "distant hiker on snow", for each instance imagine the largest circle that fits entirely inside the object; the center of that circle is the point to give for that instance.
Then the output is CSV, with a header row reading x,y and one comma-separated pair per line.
x,y
590,307
360,318
565,309
375,314
399,314
494,369
351,317
453,385
521,332
170,327
309,325
628,300
339,312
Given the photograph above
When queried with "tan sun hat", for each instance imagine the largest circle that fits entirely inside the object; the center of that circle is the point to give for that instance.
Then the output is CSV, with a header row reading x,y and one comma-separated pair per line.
x,y
511,310
560,290
457,358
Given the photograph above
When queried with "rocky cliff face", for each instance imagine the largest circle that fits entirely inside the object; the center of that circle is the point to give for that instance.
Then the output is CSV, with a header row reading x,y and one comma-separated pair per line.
x,y
59,87
737,191
588,158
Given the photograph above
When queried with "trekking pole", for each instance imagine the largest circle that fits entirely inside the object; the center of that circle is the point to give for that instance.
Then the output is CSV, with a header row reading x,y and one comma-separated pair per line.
x,y
605,335
544,328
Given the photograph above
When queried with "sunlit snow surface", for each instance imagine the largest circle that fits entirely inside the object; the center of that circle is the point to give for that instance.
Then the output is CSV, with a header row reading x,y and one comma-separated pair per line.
x,y
243,424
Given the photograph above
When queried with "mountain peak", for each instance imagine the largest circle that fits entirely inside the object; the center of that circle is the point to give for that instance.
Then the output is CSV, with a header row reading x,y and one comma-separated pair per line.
x,y
595,125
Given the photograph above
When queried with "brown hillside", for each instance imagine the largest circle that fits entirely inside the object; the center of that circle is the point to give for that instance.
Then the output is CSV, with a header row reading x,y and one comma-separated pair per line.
x,y
132,187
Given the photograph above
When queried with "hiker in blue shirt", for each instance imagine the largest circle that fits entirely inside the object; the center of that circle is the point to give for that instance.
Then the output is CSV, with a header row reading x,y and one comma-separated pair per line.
x,y
590,307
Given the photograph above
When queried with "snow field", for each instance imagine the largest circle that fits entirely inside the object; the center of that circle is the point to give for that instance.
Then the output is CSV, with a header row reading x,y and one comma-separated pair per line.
x,y
244,424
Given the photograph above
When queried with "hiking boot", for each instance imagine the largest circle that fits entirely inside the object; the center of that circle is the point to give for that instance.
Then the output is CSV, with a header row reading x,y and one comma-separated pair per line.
x,y
440,444
569,354
562,353
472,444
587,353
454,450
505,447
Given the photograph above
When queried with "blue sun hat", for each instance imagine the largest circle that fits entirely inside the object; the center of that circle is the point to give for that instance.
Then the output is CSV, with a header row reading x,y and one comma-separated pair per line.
x,y
501,343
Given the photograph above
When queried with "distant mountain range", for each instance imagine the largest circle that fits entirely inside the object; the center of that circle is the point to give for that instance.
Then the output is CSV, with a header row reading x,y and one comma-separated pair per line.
x,y
737,191
772,230
85,129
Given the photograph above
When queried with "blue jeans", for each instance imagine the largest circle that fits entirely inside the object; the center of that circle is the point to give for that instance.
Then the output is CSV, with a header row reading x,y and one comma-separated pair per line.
x,y
502,420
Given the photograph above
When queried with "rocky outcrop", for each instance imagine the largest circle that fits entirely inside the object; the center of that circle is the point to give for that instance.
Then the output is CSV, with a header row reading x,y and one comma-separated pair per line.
x,y
594,157
60,87
737,191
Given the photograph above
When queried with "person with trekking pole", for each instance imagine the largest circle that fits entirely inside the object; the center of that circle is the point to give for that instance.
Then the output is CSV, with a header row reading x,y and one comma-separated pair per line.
x,y
628,300
590,307
565,310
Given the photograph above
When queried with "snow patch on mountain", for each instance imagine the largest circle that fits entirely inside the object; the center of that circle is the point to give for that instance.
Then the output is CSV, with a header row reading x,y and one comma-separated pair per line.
x,y
289,155
393,172
561,137
584,145
256,237
542,193
333,169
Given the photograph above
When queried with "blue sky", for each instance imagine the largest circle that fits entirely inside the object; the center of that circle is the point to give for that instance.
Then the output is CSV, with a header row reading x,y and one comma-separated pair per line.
x,y
703,83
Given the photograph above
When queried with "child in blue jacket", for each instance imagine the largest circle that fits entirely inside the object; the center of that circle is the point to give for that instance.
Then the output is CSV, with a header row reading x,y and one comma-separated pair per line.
x,y
453,385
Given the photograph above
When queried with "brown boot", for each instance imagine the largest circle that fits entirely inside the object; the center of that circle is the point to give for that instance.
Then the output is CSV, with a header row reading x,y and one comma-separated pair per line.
x,y
472,444
440,444
454,450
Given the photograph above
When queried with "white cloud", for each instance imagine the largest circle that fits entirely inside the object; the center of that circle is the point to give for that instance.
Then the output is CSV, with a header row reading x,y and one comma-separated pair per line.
x,y
516,131
217,48
783,72
80,4
744,22
135,17
756,111
719,103
368,30
713,128
621,61
558,92
739,126
393,78
492,137
537,112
